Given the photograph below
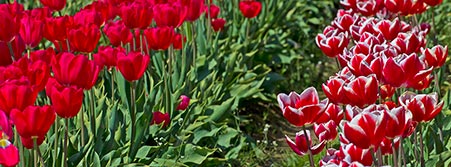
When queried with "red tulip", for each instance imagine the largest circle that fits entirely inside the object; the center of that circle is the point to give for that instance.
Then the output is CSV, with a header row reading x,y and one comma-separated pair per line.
x,y
136,15
9,26
194,9
436,56
159,118
84,38
67,101
396,122
433,2
107,10
27,142
213,12
107,56
344,22
9,155
38,73
386,146
408,43
5,125
386,91
54,4
69,70
332,113
362,90
40,13
159,38
364,65
171,15
218,24
423,107
184,103
14,96
250,8
355,155
389,29
55,29
42,55
133,65
301,109
31,31
332,42
366,129
18,47
178,40
301,147
326,131
33,122
87,17
118,33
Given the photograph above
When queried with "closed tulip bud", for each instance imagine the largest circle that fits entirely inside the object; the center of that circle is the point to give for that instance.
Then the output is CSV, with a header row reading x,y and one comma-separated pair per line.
x,y
54,4
250,8
133,65
159,117
301,147
218,24
184,103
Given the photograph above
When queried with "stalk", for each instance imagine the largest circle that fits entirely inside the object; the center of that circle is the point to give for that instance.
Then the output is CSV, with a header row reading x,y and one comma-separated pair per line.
x,y
395,160
373,154
35,148
11,51
92,110
133,117
55,156
310,154
66,139
422,162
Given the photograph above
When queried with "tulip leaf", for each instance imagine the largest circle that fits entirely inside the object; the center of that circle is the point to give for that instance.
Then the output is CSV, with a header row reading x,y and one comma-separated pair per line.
x,y
196,154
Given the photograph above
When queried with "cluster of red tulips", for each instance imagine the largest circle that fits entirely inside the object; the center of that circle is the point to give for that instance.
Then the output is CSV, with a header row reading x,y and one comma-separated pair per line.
x,y
379,55
72,61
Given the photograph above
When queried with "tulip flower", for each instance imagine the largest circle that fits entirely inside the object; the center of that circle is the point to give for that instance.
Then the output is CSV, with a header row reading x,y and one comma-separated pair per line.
x,y
436,56
366,129
344,22
9,26
396,122
87,17
13,96
362,90
424,107
326,131
211,11
194,9
184,103
178,40
43,55
18,47
250,8
353,154
433,2
84,38
136,15
301,109
33,121
133,65
333,112
332,43
159,117
54,4
9,155
55,29
300,145
159,38
5,125
31,31
118,33
218,24
171,15
107,56
389,29
79,71
66,101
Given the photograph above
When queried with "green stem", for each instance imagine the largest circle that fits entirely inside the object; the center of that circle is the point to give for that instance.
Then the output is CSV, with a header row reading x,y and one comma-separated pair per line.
x,y
395,160
93,113
66,142
373,154
113,77
422,162
35,148
310,154
11,51
82,124
56,142
133,117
